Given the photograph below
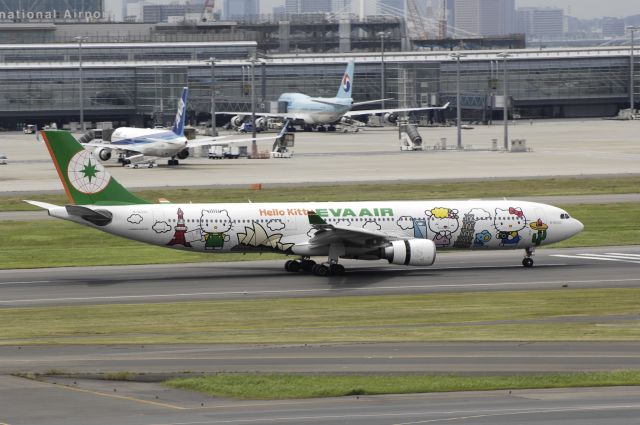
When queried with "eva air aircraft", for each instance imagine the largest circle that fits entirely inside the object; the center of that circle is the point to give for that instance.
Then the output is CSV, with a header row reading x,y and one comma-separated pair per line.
x,y
403,233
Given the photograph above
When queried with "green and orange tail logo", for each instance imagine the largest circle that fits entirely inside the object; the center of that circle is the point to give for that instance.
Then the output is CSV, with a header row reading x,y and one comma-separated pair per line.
x,y
84,178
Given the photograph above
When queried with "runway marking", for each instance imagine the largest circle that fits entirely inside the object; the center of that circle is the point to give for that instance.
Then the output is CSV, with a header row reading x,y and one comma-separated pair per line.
x,y
326,290
26,282
121,397
523,412
599,257
478,414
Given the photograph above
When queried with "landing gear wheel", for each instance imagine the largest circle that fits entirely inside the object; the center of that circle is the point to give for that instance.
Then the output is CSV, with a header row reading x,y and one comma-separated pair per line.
x,y
292,266
527,262
320,270
307,265
336,270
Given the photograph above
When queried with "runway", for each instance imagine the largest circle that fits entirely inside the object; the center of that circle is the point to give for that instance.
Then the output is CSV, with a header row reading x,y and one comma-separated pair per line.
x,y
452,272
107,403
95,402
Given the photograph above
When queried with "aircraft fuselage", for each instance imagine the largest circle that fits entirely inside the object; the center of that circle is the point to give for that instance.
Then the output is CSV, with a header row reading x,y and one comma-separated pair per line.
x,y
285,228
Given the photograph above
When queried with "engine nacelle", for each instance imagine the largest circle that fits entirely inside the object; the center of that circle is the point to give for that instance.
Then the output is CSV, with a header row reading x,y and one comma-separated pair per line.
x,y
103,153
183,154
261,123
412,252
390,118
237,121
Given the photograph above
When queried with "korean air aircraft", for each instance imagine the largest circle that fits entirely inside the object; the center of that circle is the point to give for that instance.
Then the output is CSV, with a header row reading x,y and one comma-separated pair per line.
x,y
316,112
402,233
135,144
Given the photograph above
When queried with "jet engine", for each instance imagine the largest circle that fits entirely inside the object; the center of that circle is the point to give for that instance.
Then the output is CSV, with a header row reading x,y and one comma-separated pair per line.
x,y
237,121
390,118
103,153
261,123
183,154
412,252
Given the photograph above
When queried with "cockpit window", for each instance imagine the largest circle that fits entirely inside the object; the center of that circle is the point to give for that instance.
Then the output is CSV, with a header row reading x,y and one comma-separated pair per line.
x,y
565,216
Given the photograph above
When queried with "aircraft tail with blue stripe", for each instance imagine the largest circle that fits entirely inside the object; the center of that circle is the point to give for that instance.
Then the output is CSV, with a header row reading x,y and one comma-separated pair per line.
x,y
181,114
346,85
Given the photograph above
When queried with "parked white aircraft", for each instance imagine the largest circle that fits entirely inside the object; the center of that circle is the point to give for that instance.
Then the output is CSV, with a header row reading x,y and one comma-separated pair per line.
x,y
316,112
134,144
404,233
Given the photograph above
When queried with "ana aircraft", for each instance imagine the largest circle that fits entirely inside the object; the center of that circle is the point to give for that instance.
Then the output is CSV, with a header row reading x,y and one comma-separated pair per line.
x,y
316,112
134,144
403,233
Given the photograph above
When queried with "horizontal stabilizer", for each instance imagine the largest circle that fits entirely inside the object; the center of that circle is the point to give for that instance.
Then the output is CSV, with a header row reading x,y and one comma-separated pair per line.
x,y
97,217
43,205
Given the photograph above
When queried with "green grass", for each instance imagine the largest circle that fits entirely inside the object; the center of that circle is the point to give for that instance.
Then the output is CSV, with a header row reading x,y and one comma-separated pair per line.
x,y
372,192
54,244
495,316
286,386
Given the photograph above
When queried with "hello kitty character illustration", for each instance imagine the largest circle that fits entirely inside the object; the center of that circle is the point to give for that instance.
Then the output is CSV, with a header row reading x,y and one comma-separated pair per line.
x,y
509,223
214,225
443,222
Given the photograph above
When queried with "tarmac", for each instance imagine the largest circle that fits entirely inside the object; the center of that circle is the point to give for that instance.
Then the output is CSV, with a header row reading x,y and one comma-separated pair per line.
x,y
558,148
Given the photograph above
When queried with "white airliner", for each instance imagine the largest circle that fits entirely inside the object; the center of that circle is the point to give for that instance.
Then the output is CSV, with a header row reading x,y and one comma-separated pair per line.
x,y
316,112
403,233
134,144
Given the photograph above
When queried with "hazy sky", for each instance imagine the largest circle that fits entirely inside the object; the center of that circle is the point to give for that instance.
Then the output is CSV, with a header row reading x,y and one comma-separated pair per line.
x,y
585,9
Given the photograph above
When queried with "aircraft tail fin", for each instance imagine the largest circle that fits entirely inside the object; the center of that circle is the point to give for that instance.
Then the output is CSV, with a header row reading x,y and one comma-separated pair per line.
x,y
181,114
85,180
346,85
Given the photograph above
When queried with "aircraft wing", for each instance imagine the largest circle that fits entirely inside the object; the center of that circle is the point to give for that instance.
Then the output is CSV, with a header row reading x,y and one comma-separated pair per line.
x,y
392,111
281,115
119,148
222,141
328,233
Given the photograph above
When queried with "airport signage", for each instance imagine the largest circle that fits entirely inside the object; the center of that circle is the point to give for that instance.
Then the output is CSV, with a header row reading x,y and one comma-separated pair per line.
x,y
51,15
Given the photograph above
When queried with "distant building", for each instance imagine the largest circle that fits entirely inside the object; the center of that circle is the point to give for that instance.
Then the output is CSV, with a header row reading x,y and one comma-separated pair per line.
x,y
484,17
541,23
279,12
612,27
308,6
391,7
153,14
341,6
233,9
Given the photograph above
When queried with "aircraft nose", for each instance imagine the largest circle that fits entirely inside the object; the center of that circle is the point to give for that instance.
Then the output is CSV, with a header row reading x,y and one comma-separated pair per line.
x,y
577,226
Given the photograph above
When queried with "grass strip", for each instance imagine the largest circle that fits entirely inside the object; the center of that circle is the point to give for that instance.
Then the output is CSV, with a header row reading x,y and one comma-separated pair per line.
x,y
553,315
372,192
56,244
289,386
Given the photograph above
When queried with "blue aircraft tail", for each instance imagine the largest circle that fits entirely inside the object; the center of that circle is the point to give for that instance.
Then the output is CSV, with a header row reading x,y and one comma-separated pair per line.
x,y
181,114
346,85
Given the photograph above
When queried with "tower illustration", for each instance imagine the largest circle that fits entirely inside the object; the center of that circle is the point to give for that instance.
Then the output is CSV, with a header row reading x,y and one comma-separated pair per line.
x,y
181,229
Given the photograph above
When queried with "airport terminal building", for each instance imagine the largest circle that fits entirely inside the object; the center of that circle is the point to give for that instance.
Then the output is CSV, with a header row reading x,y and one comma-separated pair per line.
x,y
139,83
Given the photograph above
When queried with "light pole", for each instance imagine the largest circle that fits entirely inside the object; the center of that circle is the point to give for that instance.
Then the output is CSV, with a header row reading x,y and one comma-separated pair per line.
x,y
457,56
254,145
80,39
632,87
214,127
383,89
505,110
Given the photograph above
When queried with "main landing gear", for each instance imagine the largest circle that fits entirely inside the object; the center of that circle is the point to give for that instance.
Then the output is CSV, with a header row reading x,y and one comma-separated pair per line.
x,y
173,161
309,266
527,261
